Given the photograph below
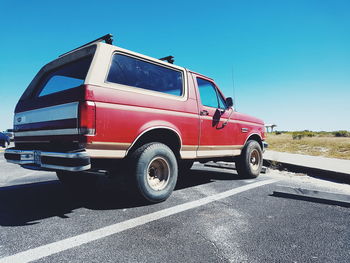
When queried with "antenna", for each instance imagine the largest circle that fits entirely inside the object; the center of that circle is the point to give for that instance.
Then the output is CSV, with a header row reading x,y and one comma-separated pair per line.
x,y
233,90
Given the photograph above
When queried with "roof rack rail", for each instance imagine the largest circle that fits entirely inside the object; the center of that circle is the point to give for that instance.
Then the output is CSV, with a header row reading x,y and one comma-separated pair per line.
x,y
169,59
107,38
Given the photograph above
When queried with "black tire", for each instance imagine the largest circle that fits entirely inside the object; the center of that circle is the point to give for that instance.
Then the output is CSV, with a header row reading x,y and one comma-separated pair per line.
x,y
184,166
154,171
249,163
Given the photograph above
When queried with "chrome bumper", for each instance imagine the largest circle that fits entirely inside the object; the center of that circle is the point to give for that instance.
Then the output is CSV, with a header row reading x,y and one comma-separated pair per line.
x,y
79,161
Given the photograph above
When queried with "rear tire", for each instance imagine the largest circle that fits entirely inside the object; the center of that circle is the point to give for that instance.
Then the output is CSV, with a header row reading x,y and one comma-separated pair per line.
x,y
154,171
249,163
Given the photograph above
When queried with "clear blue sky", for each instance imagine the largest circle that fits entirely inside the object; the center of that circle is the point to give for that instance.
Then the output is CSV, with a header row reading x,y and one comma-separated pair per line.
x,y
291,59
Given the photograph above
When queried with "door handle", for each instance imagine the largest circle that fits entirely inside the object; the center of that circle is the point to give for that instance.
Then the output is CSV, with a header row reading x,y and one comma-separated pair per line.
x,y
204,113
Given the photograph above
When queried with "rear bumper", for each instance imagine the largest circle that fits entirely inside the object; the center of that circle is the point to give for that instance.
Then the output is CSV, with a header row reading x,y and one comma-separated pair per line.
x,y
79,161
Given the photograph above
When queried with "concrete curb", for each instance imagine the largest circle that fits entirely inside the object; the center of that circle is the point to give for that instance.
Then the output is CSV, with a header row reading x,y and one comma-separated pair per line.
x,y
307,161
327,168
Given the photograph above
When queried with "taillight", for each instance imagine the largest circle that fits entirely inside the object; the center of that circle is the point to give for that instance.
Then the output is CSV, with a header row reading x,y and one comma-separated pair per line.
x,y
87,118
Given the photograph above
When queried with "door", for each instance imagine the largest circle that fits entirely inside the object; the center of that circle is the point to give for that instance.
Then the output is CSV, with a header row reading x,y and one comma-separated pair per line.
x,y
216,132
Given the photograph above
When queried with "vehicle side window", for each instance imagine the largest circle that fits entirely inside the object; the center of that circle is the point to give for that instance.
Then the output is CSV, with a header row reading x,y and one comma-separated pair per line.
x,y
209,95
134,72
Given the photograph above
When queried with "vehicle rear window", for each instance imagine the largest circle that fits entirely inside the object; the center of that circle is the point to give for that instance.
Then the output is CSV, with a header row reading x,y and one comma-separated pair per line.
x,y
69,76
134,72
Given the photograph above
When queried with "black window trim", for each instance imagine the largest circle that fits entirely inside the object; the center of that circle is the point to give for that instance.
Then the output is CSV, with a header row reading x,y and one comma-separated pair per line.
x,y
153,92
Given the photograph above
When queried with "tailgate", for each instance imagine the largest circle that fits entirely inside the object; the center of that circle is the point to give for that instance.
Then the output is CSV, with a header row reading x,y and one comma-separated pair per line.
x,y
51,128
50,112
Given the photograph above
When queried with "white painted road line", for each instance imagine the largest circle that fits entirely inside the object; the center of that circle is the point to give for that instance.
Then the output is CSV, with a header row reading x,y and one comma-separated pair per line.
x,y
65,244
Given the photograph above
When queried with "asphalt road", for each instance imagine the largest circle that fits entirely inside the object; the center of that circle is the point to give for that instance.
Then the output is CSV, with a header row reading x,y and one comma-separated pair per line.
x,y
212,216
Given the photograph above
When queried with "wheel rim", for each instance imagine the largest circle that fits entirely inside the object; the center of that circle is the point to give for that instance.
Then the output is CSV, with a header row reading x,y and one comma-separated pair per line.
x,y
254,160
158,174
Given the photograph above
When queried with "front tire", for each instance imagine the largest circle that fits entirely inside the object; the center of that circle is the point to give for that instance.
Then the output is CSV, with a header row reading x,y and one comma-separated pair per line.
x,y
249,163
154,171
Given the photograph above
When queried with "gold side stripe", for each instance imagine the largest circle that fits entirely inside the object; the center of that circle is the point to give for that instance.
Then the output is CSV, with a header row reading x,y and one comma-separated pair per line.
x,y
218,153
219,147
119,150
189,147
125,146
99,153
109,145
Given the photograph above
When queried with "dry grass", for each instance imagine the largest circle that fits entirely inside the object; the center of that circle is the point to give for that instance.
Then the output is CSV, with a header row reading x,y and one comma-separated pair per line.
x,y
333,147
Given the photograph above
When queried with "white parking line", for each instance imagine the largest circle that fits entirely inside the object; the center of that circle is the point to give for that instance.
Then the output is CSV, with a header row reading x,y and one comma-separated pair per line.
x,y
65,244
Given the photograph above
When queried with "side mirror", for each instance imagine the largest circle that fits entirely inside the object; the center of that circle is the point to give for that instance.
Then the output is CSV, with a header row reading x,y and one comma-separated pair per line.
x,y
229,102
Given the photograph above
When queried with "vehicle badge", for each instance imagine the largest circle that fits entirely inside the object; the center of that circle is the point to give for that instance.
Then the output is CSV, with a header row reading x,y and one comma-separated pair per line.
x,y
19,119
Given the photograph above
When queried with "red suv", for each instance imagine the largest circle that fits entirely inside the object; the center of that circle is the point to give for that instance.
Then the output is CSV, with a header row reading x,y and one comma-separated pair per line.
x,y
100,103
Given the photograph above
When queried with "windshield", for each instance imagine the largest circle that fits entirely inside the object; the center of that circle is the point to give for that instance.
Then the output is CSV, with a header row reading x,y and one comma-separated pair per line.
x,y
66,77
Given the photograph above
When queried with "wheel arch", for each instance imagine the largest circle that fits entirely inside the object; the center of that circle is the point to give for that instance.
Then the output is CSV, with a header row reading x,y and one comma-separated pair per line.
x,y
162,134
255,137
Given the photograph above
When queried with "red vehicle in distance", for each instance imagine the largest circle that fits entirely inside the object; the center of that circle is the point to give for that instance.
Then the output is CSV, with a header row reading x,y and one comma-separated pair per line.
x,y
100,103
